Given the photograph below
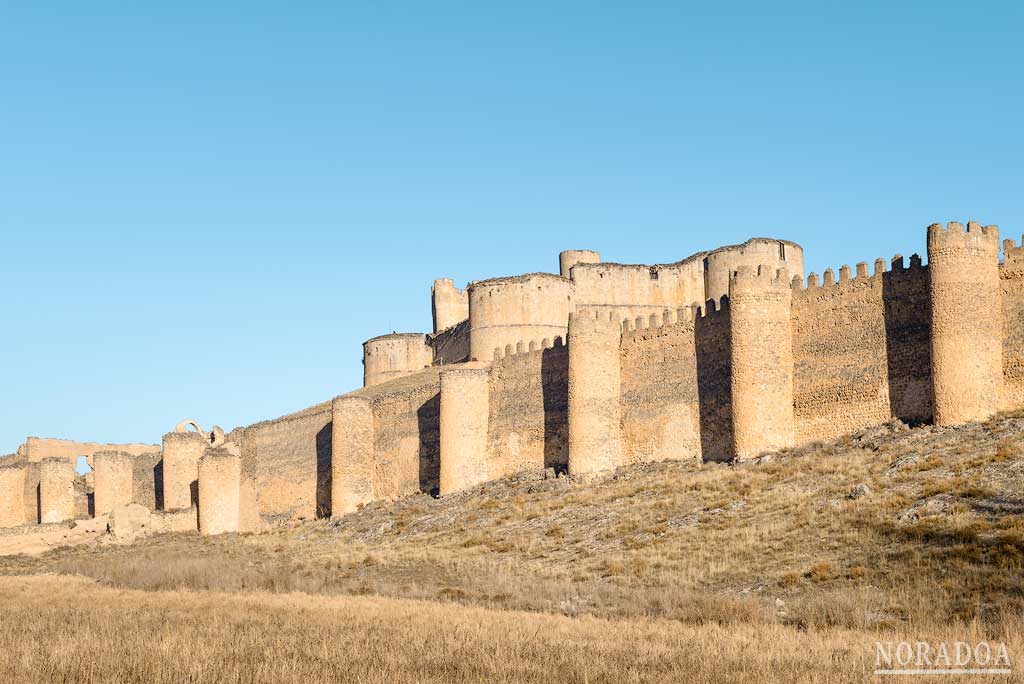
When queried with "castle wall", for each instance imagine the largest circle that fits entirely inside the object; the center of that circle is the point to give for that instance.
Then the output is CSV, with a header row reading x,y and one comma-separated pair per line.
x,y
1011,281
388,357
528,409
841,380
291,462
406,434
504,311
451,345
660,404
638,290
36,449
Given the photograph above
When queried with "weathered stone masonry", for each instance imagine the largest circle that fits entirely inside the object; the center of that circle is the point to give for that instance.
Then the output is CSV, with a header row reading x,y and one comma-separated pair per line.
x,y
724,354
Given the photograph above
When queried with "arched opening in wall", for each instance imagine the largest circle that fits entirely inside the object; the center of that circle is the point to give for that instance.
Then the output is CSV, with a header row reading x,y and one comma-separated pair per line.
x,y
83,469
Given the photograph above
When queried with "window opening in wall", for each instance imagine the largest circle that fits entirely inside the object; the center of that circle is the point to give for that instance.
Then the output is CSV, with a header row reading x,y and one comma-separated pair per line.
x,y
82,465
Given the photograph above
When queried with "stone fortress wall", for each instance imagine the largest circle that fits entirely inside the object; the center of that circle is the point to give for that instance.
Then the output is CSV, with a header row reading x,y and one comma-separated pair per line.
x,y
725,354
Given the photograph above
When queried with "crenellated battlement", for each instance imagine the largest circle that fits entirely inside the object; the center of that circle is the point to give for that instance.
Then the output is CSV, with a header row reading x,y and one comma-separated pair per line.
x,y
668,322
953,236
524,349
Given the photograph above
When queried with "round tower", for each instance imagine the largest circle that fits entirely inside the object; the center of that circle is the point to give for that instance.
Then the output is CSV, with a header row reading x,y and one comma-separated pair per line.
x,y
387,357
595,413
450,305
762,360
112,474
775,254
571,257
220,482
463,427
182,451
56,490
352,454
12,495
967,344
504,311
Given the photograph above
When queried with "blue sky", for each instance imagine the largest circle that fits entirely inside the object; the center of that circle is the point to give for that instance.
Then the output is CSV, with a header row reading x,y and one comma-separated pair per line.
x,y
207,207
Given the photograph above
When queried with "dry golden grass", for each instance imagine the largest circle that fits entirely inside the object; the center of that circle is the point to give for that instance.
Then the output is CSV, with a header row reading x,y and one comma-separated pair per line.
x,y
61,629
691,551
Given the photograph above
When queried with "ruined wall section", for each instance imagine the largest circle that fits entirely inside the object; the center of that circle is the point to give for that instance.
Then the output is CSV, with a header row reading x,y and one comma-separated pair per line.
x,y
1011,282
36,449
528,410
660,403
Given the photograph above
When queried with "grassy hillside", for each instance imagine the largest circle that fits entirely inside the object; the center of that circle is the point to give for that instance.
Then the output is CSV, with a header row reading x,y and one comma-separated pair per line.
x,y
892,530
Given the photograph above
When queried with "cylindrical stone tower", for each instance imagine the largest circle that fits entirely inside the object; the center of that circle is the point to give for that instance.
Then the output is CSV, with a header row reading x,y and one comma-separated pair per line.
x,y
450,304
182,451
967,342
762,360
12,495
571,257
720,264
56,490
352,451
595,412
220,481
387,357
505,311
113,481
465,402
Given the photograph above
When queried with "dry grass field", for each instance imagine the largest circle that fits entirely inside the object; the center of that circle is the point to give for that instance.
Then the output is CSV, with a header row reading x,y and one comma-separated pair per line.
x,y
787,569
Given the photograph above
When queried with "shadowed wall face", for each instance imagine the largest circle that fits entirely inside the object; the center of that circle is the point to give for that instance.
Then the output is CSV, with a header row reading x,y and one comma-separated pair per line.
x,y
12,496
528,414
1011,277
967,327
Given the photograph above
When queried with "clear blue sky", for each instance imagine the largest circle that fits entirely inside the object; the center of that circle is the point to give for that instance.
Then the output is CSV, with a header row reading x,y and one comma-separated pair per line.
x,y
207,207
